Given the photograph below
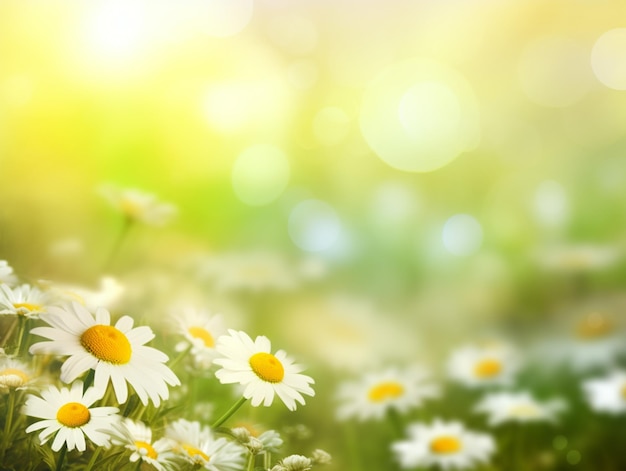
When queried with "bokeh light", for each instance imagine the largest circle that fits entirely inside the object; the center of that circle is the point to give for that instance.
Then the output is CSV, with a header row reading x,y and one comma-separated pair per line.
x,y
462,235
314,226
419,115
607,58
260,174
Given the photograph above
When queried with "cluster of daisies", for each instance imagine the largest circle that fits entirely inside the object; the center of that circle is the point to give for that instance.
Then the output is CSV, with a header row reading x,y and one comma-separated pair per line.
x,y
488,374
81,390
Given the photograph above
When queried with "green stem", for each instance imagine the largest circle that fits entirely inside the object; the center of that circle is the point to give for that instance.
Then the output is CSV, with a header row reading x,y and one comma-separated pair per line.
x,y
9,422
61,457
352,446
396,421
9,332
20,335
180,356
250,465
140,411
229,412
92,461
128,222
267,460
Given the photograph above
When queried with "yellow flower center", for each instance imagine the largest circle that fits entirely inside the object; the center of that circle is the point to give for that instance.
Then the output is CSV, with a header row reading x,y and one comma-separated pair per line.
x,y
28,306
594,326
624,392
267,367
73,414
13,378
202,334
23,377
487,368
145,449
524,410
130,208
106,343
194,452
445,444
384,391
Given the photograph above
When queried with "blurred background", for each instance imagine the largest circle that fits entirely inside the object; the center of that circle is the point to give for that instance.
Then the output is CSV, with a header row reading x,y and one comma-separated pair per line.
x,y
365,182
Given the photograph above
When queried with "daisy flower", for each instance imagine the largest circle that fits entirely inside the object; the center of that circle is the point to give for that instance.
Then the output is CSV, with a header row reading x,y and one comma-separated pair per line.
x,y
519,407
270,440
14,374
485,365
200,331
67,413
6,273
137,437
23,300
106,294
140,206
294,463
588,341
263,374
607,394
251,271
196,444
376,393
115,352
445,444
578,258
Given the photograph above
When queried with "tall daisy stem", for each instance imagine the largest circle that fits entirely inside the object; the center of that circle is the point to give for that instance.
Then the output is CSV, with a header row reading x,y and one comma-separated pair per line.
x,y
352,446
8,333
94,456
61,458
20,333
396,421
8,423
180,356
128,222
250,466
229,412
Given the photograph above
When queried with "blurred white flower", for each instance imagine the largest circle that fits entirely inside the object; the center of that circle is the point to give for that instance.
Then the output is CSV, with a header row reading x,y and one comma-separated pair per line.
x,y
320,457
490,364
519,407
349,333
293,463
578,258
14,374
582,343
248,271
607,394
270,440
200,330
6,274
445,444
23,300
139,206
196,445
106,295
137,437
372,396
